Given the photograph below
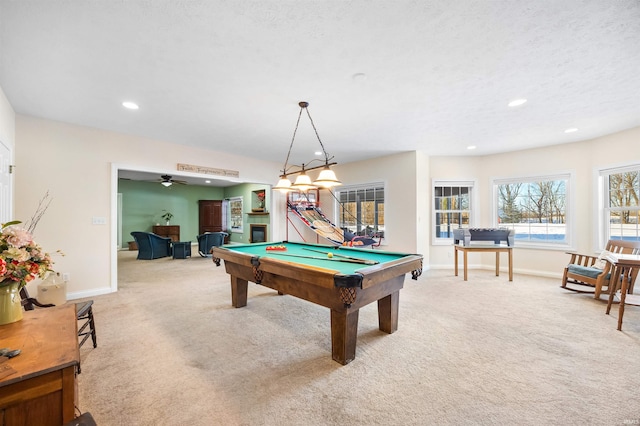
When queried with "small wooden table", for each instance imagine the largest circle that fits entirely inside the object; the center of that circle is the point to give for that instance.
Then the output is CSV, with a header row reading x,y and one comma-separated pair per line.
x,y
497,248
42,389
624,273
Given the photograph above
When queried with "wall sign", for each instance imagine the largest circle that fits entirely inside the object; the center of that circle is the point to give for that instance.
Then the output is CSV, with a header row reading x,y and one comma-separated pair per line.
x,y
208,170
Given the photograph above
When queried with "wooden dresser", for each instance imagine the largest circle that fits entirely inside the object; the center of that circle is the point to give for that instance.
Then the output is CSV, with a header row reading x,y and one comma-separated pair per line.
x,y
171,231
42,389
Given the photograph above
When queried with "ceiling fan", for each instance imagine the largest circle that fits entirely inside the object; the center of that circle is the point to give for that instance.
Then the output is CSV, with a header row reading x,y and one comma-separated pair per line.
x,y
167,181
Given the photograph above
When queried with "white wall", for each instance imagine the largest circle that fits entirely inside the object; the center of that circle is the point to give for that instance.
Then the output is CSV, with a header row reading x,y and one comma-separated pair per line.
x,y
74,164
581,158
403,223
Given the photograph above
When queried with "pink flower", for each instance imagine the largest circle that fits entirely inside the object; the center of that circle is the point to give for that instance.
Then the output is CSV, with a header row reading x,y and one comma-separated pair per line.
x,y
17,236
21,259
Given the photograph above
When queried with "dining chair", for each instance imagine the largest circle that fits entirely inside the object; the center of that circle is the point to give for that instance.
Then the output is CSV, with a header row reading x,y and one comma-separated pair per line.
x,y
84,316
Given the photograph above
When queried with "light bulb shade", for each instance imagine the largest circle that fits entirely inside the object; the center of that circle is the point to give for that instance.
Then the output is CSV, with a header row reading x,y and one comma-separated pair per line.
x,y
327,179
302,183
166,183
284,185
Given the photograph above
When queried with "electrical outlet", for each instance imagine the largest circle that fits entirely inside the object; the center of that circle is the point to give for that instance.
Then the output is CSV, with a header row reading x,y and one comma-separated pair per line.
x,y
66,277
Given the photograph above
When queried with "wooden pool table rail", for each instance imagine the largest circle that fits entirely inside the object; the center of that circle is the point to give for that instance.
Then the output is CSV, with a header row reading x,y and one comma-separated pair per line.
x,y
381,283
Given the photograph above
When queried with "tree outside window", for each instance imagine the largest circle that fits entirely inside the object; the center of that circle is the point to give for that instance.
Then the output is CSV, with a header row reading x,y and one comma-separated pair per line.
x,y
536,208
621,206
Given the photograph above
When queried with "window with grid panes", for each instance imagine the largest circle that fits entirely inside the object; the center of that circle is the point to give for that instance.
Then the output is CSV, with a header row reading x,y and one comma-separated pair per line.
x,y
361,209
452,203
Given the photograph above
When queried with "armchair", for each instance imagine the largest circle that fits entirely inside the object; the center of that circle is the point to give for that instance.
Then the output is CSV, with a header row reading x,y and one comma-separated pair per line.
x,y
151,246
208,240
591,273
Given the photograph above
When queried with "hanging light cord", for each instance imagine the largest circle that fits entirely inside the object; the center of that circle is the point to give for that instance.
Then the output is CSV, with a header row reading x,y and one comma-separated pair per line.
x,y
286,161
303,105
324,151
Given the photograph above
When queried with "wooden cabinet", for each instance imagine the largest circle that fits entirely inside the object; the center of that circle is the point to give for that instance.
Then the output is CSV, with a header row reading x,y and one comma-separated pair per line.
x,y
210,216
171,231
41,387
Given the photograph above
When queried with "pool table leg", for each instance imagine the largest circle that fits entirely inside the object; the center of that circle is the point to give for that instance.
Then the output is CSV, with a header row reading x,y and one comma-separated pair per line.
x,y
238,292
344,334
388,312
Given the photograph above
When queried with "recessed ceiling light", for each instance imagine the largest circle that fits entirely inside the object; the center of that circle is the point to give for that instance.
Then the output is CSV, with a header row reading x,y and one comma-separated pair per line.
x,y
571,130
517,102
207,181
130,105
471,147
318,153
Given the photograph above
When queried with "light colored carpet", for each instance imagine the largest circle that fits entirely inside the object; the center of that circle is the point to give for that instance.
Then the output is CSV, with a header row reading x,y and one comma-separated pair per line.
x,y
172,351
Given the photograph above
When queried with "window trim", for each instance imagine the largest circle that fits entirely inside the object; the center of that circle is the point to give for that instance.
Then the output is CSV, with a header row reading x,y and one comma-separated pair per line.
x,y
602,193
473,211
372,185
570,221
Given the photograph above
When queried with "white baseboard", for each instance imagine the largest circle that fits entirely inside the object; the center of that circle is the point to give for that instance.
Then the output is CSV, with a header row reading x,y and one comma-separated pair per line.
x,y
533,272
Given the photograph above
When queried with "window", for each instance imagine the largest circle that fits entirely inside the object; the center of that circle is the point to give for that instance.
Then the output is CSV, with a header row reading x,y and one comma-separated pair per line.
x,y
620,207
452,208
536,208
235,215
361,209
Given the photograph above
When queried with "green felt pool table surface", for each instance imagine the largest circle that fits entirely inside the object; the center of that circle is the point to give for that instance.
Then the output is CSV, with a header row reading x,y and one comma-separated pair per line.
x,y
308,254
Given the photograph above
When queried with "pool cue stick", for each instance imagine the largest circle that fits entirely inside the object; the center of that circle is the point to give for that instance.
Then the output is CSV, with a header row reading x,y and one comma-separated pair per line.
x,y
361,261
336,254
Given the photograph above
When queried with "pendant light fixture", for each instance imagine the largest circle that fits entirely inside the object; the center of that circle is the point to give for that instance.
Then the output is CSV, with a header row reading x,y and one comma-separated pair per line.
x,y
327,177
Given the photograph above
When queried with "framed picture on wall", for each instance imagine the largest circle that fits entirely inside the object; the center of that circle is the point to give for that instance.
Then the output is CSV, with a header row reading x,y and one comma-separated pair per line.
x,y
235,214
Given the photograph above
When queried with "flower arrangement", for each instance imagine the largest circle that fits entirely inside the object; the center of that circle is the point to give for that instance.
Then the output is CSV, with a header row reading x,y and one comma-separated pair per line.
x,y
261,195
21,259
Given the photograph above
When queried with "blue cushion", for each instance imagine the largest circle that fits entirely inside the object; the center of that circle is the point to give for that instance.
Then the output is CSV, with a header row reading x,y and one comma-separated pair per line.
x,y
585,271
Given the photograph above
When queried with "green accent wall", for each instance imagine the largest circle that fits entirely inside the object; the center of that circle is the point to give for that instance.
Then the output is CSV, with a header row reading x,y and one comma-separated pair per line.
x,y
249,201
143,204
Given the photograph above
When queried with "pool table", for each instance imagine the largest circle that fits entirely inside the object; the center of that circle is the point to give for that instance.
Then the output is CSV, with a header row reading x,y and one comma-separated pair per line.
x,y
342,279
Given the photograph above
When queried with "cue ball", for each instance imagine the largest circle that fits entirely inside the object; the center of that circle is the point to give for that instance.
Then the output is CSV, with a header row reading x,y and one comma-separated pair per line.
x,y
329,255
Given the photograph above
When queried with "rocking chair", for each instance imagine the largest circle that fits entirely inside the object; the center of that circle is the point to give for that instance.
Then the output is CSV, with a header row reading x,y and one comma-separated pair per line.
x,y
590,274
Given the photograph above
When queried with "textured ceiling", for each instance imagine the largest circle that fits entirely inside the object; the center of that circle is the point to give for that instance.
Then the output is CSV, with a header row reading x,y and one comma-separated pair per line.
x,y
380,76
